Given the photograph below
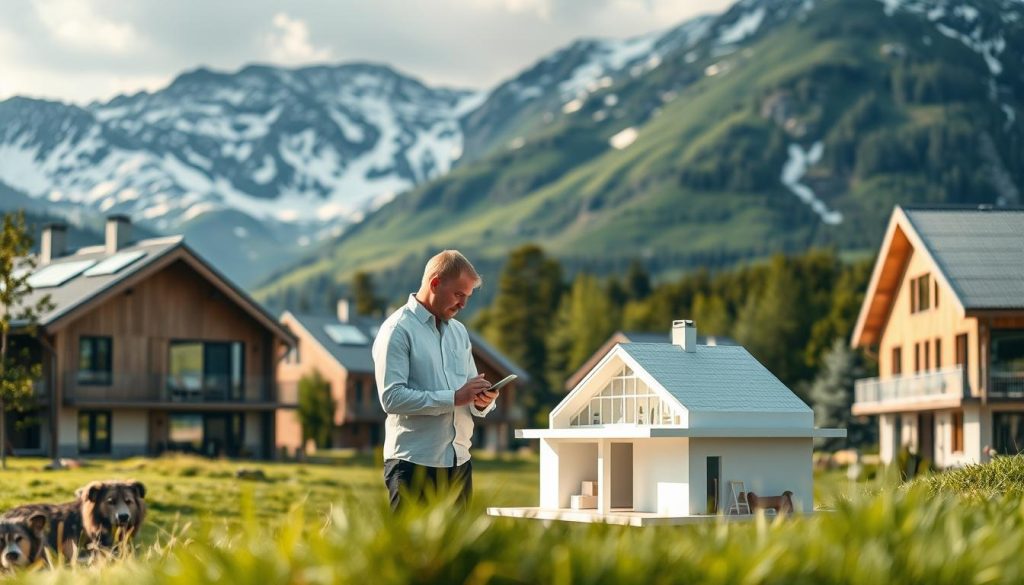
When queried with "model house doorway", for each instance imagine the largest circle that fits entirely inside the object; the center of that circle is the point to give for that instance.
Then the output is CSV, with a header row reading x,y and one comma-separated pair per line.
x,y
714,481
622,475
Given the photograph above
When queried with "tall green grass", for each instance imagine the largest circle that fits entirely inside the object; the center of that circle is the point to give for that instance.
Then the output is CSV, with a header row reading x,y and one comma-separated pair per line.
x,y
913,535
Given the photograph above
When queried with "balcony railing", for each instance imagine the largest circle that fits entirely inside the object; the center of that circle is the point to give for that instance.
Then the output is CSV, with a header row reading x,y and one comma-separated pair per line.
x,y
1006,384
131,387
948,383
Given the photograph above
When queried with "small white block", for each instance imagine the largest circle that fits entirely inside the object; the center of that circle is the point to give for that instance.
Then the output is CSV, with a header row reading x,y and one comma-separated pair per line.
x,y
588,488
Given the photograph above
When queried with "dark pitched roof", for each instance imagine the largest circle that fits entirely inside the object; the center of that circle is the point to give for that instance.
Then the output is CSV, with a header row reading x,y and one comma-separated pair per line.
x,y
89,281
980,251
356,357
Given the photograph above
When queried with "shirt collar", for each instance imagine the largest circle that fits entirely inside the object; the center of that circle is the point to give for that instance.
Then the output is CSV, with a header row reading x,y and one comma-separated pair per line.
x,y
419,310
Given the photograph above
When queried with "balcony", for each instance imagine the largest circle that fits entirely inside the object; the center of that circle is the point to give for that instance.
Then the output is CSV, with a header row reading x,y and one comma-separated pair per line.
x,y
160,389
1006,384
873,395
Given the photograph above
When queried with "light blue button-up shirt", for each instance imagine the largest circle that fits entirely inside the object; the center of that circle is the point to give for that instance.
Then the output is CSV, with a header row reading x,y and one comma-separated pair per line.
x,y
418,369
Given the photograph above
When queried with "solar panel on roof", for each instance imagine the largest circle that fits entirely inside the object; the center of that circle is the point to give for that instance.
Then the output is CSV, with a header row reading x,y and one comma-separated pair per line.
x,y
345,334
115,263
58,274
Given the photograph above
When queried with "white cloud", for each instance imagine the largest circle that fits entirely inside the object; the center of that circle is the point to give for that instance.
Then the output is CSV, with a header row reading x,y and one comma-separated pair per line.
x,y
75,23
290,44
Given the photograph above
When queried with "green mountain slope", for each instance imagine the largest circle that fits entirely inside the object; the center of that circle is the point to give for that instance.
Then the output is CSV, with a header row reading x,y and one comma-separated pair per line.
x,y
891,108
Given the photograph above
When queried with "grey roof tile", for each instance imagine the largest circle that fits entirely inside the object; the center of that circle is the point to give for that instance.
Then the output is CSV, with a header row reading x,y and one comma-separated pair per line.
x,y
715,378
980,251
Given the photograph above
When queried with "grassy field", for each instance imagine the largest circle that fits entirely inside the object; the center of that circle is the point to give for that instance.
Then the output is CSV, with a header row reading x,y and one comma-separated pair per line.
x,y
326,523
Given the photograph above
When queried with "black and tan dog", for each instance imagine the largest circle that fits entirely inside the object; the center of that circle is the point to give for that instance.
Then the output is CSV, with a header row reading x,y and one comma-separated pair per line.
x,y
104,514
22,541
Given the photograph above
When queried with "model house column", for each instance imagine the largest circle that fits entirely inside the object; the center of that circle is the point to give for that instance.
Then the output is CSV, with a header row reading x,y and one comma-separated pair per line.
x,y
604,475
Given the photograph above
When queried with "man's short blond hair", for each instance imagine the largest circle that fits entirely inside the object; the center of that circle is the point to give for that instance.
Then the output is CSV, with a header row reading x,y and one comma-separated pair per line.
x,y
448,265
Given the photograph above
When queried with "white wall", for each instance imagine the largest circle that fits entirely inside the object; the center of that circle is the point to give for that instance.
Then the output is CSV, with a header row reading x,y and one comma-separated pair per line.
x,y
886,440
563,466
704,419
68,432
129,432
766,466
661,475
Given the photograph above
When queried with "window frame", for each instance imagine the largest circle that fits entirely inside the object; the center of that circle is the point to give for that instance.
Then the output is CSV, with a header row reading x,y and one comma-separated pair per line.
x,y
91,416
100,374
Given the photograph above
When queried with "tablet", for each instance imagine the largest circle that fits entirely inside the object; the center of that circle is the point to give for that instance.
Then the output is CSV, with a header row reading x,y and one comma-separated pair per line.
x,y
502,382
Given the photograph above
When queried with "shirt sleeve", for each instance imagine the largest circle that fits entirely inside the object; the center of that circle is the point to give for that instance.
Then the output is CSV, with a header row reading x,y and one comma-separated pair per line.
x,y
391,353
473,372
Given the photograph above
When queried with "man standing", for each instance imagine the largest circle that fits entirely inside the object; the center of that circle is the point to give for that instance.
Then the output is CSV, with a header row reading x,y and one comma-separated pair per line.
x,y
428,384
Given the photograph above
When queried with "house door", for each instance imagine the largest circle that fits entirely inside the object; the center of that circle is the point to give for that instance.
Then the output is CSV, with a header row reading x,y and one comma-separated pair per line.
x,y
714,481
926,435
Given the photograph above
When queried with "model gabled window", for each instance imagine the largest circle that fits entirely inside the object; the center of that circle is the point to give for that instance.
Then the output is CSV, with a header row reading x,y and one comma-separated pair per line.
x,y
626,399
897,361
94,361
956,432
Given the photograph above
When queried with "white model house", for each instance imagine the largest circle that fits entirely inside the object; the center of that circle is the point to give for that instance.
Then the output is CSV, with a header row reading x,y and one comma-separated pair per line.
x,y
663,428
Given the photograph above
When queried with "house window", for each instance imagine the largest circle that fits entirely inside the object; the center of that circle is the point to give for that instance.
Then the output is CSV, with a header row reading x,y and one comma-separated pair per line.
x,y
94,431
938,353
917,357
626,399
927,356
206,371
956,432
1008,432
94,361
920,293
936,294
897,361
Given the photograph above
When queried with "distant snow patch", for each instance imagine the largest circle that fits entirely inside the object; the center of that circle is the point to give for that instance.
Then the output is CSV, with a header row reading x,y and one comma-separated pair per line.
x,y
572,106
624,138
795,169
240,232
266,172
745,26
1011,116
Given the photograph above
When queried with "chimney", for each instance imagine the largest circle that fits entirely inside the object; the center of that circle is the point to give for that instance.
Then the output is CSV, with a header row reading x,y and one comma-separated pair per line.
x,y
343,310
684,334
119,233
54,242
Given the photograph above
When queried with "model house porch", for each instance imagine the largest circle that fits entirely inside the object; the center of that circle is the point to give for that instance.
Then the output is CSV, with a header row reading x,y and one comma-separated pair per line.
x,y
671,433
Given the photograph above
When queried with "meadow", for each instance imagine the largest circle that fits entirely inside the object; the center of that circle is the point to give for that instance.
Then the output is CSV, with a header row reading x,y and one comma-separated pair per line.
x,y
327,523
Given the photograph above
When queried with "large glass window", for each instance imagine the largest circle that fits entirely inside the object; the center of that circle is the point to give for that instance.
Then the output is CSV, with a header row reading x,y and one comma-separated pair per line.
x,y
626,399
95,365
1008,432
212,434
206,371
94,431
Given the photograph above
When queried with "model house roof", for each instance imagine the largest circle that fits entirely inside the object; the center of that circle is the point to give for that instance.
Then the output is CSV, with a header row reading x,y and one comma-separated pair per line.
x,y
978,254
714,378
78,281
350,343
635,337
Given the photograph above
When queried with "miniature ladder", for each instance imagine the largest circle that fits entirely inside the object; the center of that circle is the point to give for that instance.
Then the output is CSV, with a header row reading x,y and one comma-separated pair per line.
x,y
738,495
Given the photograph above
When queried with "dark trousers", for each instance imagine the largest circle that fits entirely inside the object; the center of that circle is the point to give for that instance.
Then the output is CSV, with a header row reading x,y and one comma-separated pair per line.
x,y
406,480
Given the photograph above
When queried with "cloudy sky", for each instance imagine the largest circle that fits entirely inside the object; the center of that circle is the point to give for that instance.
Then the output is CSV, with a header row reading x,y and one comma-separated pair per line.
x,y
83,50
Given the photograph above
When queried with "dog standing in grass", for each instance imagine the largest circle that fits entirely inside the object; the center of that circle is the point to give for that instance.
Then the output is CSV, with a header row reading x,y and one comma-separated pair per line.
x,y
22,541
103,515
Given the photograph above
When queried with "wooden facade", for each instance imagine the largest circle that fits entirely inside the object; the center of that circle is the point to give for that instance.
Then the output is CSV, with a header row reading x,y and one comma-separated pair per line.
x,y
136,402
935,393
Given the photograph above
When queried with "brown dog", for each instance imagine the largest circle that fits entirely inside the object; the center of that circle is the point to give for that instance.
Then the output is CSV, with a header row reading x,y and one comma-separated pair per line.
x,y
104,514
22,541
781,504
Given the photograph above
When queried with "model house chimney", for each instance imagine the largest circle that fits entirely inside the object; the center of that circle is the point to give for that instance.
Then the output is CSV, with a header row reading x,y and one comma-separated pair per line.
x,y
684,334
119,232
343,310
54,242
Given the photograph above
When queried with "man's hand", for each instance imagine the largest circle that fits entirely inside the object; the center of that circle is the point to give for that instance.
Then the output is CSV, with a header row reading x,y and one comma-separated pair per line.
x,y
484,399
472,387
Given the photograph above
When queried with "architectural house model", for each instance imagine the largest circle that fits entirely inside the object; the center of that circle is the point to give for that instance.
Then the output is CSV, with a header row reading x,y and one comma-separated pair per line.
x,y
663,433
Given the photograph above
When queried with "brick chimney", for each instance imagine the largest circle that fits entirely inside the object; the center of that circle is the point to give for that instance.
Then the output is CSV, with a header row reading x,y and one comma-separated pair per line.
x,y
343,310
118,233
54,242
684,334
